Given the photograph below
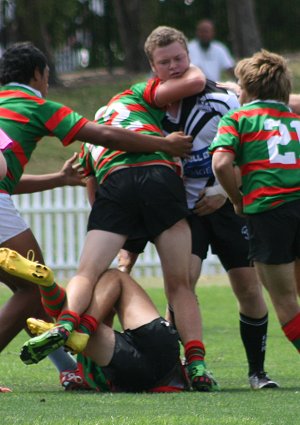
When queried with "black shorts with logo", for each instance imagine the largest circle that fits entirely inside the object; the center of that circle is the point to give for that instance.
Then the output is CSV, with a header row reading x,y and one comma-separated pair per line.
x,y
139,201
225,232
275,234
143,357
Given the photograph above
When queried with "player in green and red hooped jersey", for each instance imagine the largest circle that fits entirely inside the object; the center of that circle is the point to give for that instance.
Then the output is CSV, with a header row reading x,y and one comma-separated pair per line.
x,y
263,139
26,116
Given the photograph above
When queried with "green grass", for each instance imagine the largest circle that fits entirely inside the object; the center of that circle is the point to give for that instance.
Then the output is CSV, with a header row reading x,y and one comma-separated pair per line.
x,y
37,397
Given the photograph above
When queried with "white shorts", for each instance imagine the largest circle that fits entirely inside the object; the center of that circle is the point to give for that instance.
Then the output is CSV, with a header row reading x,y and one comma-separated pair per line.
x,y
11,222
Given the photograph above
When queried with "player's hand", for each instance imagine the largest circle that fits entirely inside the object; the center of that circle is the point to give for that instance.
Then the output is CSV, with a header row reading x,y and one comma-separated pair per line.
x,y
230,85
208,204
72,172
238,208
179,144
126,260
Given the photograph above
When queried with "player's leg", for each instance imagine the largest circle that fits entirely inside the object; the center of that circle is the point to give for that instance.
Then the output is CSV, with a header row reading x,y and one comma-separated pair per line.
x,y
117,290
279,280
230,241
269,233
99,250
26,300
174,249
253,323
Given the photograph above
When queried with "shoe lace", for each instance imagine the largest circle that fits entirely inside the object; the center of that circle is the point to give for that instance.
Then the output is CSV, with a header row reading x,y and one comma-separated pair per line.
x,y
30,255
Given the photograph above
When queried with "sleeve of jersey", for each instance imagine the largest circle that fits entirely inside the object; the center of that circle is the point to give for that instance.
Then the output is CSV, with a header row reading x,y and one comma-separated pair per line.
x,y
62,122
150,91
227,137
84,159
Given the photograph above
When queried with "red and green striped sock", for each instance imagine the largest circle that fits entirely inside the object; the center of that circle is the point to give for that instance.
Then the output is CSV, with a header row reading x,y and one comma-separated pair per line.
x,y
88,324
292,331
53,299
69,319
194,351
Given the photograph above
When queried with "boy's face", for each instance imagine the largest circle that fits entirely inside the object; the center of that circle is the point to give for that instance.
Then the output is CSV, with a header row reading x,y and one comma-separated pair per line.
x,y
41,81
170,61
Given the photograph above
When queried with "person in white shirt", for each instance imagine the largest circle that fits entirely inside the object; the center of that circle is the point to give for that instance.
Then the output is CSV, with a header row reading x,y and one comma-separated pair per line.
x,y
212,56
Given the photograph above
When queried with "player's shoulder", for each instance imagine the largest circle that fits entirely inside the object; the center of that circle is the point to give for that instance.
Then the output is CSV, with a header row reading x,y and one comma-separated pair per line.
x,y
214,94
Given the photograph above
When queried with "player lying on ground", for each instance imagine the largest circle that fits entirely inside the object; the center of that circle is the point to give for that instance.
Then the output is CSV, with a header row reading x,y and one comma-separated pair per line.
x,y
144,357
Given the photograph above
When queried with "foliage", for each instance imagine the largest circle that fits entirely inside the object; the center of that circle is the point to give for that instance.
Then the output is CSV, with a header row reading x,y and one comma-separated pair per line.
x,y
77,23
38,399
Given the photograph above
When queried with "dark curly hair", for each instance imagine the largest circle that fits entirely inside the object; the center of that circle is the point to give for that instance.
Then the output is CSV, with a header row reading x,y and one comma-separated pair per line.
x,y
19,62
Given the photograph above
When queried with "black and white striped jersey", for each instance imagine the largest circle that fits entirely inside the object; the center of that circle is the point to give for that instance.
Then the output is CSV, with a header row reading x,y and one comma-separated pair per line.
x,y
199,116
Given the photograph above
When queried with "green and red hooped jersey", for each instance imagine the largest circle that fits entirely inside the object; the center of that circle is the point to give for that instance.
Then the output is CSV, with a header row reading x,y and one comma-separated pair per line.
x,y
135,110
26,118
265,139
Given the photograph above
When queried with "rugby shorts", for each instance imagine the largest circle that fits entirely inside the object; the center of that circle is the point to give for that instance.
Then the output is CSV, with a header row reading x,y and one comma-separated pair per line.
x,y
11,222
143,357
274,235
225,232
139,201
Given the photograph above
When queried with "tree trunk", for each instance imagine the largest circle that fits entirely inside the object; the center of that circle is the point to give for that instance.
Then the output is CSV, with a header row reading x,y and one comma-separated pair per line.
x,y
243,28
28,11
129,16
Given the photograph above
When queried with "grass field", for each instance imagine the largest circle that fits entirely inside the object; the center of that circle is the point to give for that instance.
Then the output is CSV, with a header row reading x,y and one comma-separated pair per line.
x,y
38,399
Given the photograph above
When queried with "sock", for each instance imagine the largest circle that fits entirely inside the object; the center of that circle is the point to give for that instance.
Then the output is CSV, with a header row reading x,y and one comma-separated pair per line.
x,y
292,331
194,351
62,361
88,324
53,299
254,336
69,319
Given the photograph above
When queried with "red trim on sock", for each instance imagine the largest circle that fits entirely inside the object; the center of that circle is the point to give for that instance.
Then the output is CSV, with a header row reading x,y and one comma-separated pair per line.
x,y
89,322
194,351
292,328
194,343
69,316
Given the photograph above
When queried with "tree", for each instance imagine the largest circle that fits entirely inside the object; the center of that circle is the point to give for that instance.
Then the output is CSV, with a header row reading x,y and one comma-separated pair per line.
x,y
132,30
243,28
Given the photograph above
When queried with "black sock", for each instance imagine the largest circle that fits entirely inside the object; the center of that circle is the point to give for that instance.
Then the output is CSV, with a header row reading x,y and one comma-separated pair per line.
x,y
254,336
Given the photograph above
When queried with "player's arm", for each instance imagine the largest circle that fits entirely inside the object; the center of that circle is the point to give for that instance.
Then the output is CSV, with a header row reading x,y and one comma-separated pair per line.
x,y
116,138
223,168
191,82
70,175
3,166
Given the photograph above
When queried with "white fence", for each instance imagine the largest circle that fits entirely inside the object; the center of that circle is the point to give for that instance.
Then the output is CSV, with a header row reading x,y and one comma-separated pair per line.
x,y
58,220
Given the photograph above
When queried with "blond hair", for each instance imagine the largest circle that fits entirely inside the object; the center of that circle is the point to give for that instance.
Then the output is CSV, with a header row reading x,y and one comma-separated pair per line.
x,y
162,36
264,76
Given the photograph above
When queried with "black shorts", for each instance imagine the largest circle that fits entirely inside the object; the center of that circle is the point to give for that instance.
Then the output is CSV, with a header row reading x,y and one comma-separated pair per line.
x,y
225,232
139,201
143,356
136,246
275,234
